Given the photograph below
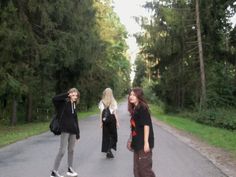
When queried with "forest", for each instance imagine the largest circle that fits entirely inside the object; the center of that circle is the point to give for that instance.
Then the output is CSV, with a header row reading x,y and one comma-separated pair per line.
x,y
49,46
187,62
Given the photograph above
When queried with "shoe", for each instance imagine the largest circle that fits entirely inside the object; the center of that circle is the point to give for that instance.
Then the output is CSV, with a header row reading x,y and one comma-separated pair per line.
x,y
110,155
55,174
71,172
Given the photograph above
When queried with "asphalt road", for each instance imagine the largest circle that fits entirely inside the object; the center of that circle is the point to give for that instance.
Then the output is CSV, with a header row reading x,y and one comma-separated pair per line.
x,y
34,156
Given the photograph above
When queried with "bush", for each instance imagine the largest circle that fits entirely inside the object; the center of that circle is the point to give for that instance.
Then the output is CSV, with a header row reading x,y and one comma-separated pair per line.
x,y
148,91
218,118
151,96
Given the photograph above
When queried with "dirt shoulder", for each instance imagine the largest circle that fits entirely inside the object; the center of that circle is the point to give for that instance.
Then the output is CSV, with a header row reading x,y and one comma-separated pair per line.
x,y
219,157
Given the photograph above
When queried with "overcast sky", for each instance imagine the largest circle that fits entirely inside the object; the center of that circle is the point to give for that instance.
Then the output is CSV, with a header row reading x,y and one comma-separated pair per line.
x,y
127,10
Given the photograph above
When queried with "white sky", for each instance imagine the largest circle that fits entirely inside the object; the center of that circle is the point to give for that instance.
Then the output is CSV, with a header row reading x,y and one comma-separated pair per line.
x,y
233,20
127,10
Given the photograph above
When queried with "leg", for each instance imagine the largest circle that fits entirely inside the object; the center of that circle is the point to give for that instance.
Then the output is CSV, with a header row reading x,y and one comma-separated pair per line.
x,y
63,144
145,164
113,134
71,145
136,165
112,138
105,138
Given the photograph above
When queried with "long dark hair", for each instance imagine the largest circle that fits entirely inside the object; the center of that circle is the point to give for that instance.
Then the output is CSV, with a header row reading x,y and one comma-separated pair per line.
x,y
140,96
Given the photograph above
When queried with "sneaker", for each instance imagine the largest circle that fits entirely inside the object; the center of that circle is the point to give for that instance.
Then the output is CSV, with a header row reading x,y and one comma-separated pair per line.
x,y
55,174
110,155
71,172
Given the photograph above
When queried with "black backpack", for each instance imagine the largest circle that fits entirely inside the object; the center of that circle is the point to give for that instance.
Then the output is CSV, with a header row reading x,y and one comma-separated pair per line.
x,y
106,115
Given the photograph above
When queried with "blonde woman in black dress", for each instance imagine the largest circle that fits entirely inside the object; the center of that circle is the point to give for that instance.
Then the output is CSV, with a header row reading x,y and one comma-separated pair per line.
x,y
110,125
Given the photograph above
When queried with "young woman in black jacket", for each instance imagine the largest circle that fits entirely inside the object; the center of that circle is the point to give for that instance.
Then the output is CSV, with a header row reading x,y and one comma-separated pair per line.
x,y
65,105
141,140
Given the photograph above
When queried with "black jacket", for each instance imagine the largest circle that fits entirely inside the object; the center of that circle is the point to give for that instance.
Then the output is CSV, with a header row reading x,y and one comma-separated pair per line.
x,y
67,113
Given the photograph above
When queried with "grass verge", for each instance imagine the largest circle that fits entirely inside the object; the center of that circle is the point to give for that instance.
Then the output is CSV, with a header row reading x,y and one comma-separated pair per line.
x,y
92,111
217,137
11,134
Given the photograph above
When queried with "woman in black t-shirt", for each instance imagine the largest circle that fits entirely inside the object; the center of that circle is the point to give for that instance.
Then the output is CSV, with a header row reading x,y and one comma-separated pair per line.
x,y
141,139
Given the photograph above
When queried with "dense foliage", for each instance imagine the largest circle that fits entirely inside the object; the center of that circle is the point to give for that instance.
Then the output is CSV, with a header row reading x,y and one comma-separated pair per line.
x,y
169,53
49,46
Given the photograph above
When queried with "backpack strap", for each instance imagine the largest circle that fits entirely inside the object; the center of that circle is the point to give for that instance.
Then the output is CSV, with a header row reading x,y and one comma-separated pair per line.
x,y
105,105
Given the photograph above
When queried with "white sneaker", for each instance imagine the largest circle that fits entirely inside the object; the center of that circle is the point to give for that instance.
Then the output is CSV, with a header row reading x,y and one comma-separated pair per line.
x,y
55,174
71,172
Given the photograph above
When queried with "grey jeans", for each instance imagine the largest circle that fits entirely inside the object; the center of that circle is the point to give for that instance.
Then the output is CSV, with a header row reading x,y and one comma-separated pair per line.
x,y
66,139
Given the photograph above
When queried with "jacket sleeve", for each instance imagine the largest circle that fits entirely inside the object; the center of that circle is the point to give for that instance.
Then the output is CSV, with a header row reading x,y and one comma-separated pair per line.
x,y
60,98
78,134
77,131
77,125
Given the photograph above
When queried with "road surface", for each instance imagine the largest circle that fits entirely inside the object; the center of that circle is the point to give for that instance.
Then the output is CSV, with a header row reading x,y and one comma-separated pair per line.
x,y
34,156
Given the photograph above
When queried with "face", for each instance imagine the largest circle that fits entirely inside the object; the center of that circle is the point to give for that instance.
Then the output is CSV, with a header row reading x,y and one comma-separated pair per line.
x,y
73,96
133,99
109,93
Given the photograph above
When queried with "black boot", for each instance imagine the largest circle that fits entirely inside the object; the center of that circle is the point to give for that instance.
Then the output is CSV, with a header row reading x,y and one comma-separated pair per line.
x,y
109,154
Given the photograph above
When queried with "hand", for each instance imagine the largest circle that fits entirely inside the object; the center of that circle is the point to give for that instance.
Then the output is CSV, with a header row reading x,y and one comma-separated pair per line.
x,y
101,124
69,95
129,145
146,147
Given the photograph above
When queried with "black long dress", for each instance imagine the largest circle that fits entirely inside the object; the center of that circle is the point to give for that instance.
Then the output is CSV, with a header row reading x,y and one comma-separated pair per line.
x,y
109,135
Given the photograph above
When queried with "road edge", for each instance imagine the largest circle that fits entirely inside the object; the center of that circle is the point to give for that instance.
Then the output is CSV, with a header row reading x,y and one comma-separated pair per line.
x,y
220,158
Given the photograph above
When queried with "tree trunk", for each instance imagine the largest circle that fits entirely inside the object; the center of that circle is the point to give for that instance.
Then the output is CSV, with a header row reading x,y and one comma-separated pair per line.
x,y
202,70
30,106
14,112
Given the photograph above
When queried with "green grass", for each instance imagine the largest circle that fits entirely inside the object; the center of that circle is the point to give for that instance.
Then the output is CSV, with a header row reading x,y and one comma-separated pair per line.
x,y
11,134
92,111
217,137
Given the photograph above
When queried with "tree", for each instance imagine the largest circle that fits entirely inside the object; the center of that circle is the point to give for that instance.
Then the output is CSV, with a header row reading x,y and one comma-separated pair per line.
x,y
48,47
201,60
171,40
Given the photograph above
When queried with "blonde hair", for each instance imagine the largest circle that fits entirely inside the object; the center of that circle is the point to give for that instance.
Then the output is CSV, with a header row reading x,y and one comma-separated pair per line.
x,y
71,90
108,98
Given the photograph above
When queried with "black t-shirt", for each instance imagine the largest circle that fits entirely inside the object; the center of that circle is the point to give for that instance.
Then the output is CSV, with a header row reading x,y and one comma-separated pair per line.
x,y
139,119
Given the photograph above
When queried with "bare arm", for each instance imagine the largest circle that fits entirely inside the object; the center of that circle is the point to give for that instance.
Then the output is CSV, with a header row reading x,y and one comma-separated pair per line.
x,y
100,119
146,135
101,107
117,119
129,142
